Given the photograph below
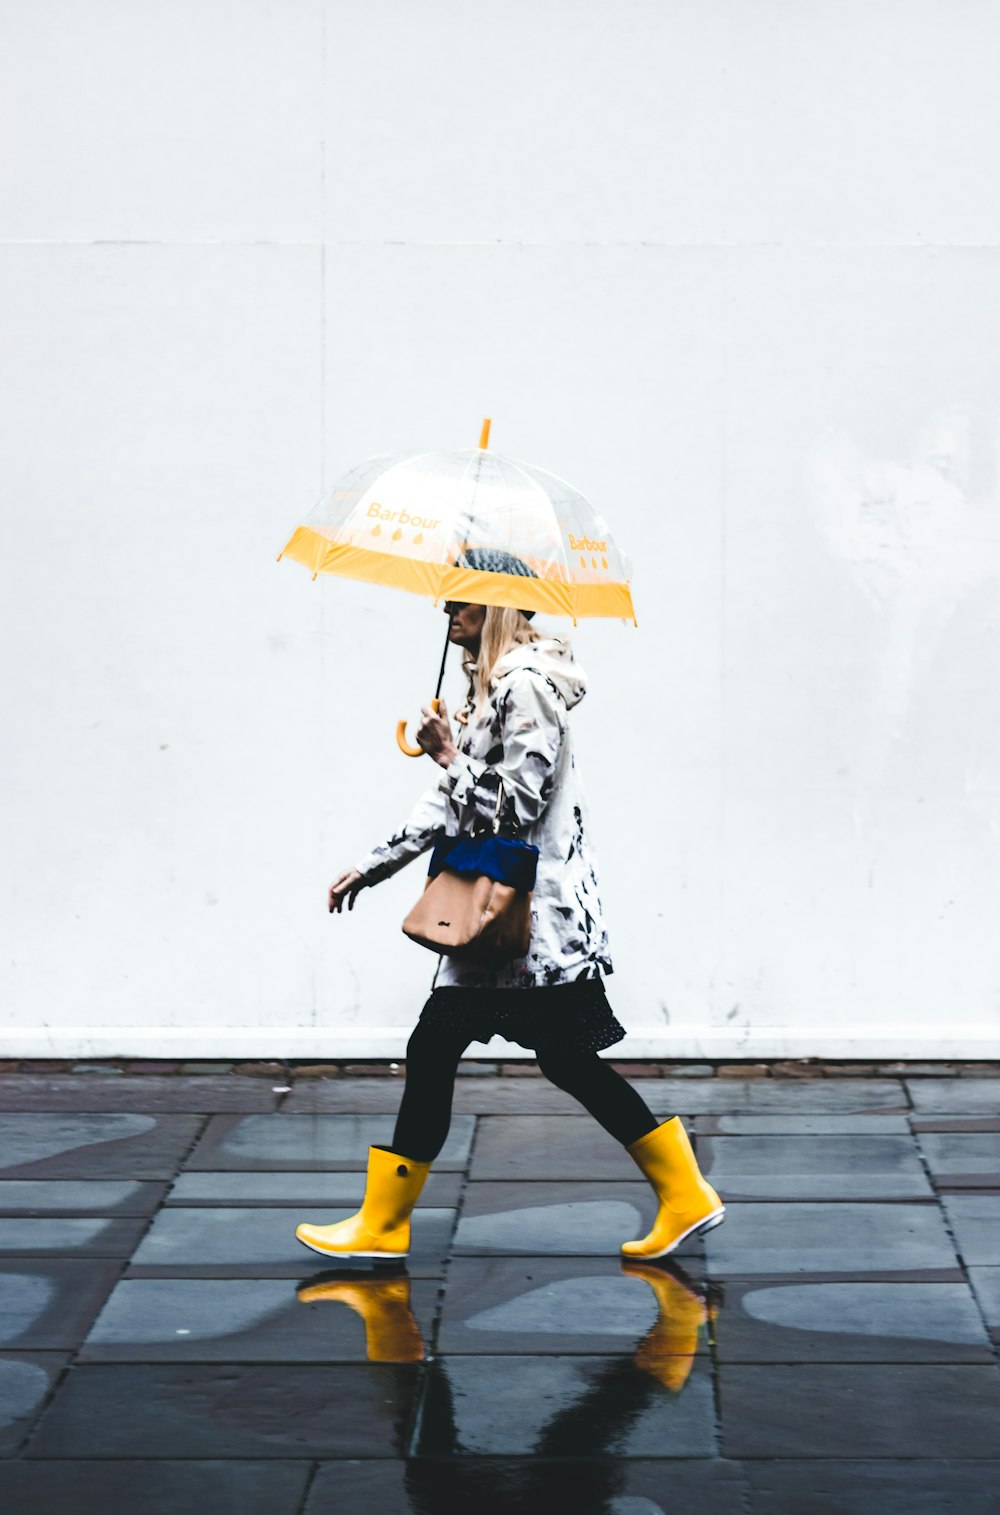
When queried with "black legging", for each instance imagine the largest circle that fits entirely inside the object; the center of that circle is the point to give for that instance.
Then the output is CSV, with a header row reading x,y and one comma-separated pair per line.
x,y
432,1059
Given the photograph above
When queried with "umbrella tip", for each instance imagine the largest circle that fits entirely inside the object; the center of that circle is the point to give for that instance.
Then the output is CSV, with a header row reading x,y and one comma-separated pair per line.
x,y
484,435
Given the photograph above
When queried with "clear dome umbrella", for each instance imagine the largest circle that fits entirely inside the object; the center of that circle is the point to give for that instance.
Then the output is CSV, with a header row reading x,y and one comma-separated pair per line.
x,y
471,526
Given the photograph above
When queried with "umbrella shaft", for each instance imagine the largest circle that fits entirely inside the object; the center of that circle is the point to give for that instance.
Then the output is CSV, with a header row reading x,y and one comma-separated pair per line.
x,y
444,656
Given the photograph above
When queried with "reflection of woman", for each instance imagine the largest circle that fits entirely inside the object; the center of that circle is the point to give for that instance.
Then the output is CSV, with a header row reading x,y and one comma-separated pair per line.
x,y
382,1302
516,732
596,1425
576,1460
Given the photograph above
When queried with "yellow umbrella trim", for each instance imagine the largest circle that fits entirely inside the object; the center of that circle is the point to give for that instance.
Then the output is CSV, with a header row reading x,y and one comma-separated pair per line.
x,y
440,581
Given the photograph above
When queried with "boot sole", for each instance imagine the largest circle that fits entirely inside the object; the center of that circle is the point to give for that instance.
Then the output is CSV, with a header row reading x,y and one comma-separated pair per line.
x,y
708,1224
337,1252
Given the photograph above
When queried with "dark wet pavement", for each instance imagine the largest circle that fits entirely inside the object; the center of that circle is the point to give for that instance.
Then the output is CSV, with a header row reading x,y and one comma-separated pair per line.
x,y
167,1345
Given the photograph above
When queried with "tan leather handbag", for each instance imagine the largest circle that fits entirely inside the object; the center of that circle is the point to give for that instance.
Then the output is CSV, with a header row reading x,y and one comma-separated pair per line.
x,y
476,903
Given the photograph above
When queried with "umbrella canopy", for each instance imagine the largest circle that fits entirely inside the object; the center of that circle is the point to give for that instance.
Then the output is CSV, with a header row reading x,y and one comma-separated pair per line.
x,y
408,521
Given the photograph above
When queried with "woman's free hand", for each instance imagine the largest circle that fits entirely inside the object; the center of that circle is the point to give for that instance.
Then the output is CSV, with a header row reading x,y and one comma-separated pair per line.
x,y
434,734
348,886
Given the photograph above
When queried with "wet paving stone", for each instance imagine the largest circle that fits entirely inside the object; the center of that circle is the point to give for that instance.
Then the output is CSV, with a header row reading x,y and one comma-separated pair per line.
x,y
858,1410
814,1167
513,1096
80,1093
26,1379
694,1096
545,1147
529,1305
335,1316
919,1123
963,1160
304,1143
372,1484
679,1096
955,1096
51,1303
986,1285
905,1241
802,1125
975,1220
153,1488
94,1146
850,1322
174,1410
344,1096
30,1196
261,1243
481,1096
69,1236
243,1187
556,1218
566,1407
529,1486
766,1096
915,1487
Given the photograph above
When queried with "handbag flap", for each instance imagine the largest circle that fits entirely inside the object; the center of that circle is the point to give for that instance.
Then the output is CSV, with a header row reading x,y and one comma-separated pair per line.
x,y
499,858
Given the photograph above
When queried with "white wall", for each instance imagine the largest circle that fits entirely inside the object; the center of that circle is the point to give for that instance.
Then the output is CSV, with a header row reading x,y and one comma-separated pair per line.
x,y
730,267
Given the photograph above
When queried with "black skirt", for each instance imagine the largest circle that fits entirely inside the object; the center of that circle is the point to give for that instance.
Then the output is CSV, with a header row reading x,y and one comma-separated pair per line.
x,y
556,1017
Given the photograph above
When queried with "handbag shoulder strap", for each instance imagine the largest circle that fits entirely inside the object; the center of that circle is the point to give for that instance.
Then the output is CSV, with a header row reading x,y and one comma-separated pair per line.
x,y
499,807
514,823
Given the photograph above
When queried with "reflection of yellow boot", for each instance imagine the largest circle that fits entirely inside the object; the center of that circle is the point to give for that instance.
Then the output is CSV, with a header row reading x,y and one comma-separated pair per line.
x,y
668,1348
381,1228
391,1333
687,1202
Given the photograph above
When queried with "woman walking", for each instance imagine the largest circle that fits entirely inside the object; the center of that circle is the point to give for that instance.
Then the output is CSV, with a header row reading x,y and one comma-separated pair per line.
x,y
513,731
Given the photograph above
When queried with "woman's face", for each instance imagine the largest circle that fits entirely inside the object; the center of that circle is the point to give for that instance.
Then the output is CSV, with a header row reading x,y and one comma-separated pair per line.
x,y
466,623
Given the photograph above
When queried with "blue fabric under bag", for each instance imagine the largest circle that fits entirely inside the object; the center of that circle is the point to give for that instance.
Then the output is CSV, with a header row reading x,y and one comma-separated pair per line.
x,y
506,861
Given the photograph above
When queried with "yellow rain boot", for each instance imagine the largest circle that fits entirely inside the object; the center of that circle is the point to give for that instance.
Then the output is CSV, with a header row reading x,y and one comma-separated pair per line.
x,y
391,1333
667,1350
381,1228
687,1202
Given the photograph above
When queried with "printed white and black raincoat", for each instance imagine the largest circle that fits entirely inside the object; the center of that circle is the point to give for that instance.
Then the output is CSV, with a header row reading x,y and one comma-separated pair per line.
x,y
521,739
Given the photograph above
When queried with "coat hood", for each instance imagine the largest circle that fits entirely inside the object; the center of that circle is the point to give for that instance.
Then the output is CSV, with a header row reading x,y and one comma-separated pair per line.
x,y
551,656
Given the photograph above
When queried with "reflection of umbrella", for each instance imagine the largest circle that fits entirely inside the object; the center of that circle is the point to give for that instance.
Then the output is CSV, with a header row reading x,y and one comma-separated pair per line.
x,y
469,526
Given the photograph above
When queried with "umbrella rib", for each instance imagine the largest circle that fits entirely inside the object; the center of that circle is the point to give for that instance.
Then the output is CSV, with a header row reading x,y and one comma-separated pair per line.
x,y
536,487
474,457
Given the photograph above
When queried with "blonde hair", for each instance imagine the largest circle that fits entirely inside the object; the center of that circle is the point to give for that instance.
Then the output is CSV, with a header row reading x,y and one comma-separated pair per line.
x,y
503,628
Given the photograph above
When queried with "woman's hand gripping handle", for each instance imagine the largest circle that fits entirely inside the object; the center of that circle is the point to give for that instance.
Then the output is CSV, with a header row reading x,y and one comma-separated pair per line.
x,y
433,735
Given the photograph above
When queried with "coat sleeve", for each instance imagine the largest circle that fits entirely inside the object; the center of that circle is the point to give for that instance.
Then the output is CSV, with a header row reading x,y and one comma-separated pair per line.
x,y
426,823
533,728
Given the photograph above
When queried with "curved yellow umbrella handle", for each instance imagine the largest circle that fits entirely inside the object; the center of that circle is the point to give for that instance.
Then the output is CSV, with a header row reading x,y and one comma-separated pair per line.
x,y
403,744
